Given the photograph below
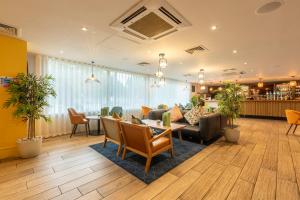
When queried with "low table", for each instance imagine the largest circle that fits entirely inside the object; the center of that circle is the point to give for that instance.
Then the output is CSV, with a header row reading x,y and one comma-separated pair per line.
x,y
98,122
174,127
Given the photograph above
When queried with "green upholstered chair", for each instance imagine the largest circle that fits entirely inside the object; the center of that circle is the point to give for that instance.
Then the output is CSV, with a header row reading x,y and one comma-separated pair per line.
x,y
118,110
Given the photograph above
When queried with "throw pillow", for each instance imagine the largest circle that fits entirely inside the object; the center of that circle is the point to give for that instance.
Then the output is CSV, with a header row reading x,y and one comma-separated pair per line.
x,y
136,120
175,114
145,110
193,116
162,106
116,116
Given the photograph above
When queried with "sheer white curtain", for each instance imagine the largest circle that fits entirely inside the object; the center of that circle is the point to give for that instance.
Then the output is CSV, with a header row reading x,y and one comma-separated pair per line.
x,y
117,88
173,92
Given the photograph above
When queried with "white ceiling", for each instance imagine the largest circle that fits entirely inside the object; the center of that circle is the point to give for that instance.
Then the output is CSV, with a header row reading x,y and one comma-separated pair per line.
x,y
268,43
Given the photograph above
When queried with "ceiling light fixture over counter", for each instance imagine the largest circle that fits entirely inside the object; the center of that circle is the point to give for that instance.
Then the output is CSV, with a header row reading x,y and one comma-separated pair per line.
x,y
260,83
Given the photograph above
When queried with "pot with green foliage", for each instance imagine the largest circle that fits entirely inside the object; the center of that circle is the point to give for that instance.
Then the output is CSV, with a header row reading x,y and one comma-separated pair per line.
x,y
229,105
28,95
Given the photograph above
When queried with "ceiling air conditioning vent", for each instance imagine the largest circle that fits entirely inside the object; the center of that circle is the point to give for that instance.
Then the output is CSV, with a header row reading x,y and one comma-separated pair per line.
x,y
168,14
9,30
133,15
150,20
196,49
143,63
229,69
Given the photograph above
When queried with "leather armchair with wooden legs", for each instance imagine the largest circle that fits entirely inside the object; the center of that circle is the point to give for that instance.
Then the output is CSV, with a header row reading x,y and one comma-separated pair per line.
x,y
77,119
112,132
138,139
293,118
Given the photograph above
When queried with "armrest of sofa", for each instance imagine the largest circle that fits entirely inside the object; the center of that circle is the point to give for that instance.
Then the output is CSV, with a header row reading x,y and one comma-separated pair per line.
x,y
210,126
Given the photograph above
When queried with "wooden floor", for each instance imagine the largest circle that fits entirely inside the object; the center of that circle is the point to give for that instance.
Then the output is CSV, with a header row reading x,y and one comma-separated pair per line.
x,y
264,165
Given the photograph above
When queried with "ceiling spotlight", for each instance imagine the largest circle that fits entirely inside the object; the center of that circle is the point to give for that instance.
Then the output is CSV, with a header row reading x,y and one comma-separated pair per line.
x,y
234,51
245,63
61,52
213,28
84,29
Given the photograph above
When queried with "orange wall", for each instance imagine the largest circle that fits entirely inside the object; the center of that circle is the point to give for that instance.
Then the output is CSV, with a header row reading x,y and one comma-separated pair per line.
x,y
13,53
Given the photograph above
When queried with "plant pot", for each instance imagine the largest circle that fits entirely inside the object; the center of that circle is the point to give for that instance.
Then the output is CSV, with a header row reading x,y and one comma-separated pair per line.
x,y
29,148
232,134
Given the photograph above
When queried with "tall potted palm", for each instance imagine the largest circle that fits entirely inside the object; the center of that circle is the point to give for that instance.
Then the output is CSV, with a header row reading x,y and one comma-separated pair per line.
x,y
28,95
229,105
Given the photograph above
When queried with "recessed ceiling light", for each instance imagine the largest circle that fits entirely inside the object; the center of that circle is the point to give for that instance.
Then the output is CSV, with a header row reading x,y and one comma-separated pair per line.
x,y
234,51
245,63
180,63
84,29
61,52
213,28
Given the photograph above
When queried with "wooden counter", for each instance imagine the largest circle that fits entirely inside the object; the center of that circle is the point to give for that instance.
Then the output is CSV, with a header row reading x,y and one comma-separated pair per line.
x,y
265,108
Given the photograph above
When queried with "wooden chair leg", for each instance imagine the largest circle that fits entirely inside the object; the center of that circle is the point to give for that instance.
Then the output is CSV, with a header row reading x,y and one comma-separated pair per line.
x,y
172,152
289,129
124,153
86,130
295,129
104,143
119,150
89,128
74,130
148,163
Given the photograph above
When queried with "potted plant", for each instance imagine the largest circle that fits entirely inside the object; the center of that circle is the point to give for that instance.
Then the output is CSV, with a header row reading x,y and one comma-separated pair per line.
x,y
229,105
197,100
28,95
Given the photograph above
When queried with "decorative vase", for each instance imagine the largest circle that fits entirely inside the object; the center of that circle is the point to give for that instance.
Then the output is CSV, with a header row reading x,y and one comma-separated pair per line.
x,y
29,148
166,117
232,134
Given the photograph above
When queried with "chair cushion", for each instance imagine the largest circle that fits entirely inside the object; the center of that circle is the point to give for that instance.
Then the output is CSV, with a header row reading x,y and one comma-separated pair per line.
x,y
160,143
175,114
193,116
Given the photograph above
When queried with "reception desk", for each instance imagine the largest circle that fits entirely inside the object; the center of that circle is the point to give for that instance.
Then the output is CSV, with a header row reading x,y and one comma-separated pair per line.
x,y
266,108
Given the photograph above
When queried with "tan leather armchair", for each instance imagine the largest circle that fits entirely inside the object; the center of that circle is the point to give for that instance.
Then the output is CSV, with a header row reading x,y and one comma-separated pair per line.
x,y
112,132
293,118
77,119
138,139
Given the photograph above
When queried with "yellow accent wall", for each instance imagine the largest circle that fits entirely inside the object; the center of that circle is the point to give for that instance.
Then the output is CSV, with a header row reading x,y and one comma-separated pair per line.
x,y
13,60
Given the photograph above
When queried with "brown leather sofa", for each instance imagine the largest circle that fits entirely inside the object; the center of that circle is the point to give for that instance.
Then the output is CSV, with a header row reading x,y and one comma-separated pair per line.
x,y
210,126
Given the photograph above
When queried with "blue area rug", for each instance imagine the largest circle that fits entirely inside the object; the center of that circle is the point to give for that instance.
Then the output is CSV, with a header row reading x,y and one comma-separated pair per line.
x,y
161,164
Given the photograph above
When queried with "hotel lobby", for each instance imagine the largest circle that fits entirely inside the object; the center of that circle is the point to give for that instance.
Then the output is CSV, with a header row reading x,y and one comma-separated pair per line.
x,y
149,99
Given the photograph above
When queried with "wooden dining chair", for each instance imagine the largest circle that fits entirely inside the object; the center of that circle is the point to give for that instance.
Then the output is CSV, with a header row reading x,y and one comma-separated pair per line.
x,y
293,118
77,119
112,132
138,139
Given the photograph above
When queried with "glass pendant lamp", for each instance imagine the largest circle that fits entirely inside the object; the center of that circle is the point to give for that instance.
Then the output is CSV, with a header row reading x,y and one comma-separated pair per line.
x,y
92,78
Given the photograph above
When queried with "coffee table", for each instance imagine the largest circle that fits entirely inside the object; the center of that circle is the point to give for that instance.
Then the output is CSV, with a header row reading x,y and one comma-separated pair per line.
x,y
174,127
97,118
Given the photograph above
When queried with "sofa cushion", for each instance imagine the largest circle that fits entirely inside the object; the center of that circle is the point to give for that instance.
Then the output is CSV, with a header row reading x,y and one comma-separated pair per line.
x,y
193,116
156,114
175,114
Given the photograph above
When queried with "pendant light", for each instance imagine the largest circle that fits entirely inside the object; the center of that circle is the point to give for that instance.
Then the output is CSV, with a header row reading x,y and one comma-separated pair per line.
x,y
293,83
92,77
162,61
260,83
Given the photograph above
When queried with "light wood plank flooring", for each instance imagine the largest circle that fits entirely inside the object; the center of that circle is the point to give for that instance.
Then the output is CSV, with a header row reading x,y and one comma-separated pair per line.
x,y
264,165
